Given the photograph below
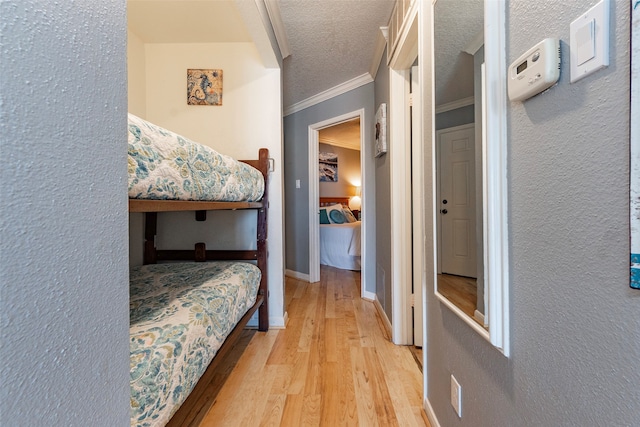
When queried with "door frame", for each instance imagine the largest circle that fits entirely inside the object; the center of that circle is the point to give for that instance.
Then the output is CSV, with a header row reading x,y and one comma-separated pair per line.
x,y
417,205
400,171
405,257
314,195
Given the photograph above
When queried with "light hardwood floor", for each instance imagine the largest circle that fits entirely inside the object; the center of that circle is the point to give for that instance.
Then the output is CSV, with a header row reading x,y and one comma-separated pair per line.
x,y
332,366
459,290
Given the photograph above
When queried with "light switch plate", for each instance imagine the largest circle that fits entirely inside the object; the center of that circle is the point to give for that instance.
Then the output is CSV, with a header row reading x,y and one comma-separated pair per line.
x,y
456,396
589,43
586,42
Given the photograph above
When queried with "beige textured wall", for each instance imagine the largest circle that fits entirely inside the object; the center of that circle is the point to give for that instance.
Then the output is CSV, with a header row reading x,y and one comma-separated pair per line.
x,y
349,172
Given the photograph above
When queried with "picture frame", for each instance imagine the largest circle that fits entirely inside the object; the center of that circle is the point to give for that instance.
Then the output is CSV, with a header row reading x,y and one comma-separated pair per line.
x,y
204,87
380,131
328,167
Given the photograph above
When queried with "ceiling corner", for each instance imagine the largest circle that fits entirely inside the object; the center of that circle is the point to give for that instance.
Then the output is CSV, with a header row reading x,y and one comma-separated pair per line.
x,y
381,44
273,10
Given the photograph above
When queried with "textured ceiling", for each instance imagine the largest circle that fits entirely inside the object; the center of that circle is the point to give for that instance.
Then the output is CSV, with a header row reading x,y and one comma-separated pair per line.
x,y
454,31
331,42
345,135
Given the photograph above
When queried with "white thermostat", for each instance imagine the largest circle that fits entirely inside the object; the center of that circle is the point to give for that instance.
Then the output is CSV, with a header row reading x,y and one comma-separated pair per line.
x,y
536,70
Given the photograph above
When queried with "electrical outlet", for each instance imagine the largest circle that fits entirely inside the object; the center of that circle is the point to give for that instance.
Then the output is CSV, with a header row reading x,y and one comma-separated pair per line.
x,y
456,396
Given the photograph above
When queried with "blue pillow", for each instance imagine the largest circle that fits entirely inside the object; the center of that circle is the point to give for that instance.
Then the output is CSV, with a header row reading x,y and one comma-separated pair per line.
x,y
324,219
337,217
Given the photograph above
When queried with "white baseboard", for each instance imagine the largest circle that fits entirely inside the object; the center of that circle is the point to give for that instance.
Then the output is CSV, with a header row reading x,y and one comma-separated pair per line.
x,y
369,296
278,322
479,317
275,322
296,275
383,316
431,416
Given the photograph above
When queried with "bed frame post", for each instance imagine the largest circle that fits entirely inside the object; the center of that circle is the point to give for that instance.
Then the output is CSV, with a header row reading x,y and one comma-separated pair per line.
x,y
263,311
200,252
150,229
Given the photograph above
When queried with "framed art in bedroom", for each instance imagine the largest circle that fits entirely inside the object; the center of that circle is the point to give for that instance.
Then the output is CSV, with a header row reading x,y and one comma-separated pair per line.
x,y
204,87
328,167
381,130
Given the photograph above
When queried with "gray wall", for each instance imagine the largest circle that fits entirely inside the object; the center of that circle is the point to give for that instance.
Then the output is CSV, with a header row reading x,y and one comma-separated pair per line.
x,y
457,117
383,200
575,326
296,159
63,183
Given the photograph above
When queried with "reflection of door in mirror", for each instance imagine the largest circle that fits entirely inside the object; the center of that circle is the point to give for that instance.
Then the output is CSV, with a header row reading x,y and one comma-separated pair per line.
x,y
456,185
458,55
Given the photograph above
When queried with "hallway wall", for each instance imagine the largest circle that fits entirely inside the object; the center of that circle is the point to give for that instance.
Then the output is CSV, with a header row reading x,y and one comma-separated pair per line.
x,y
575,329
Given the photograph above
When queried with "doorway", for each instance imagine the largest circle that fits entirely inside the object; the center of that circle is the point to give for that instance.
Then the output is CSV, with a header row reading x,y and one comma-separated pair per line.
x,y
314,196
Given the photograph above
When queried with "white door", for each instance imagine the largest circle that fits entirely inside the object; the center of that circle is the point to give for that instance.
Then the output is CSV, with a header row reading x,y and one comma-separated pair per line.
x,y
456,173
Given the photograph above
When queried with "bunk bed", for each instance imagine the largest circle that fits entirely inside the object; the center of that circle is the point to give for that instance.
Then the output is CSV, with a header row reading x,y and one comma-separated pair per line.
x,y
189,307
340,234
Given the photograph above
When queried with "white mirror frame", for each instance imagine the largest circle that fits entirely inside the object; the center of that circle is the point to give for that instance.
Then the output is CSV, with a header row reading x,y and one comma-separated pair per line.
x,y
495,211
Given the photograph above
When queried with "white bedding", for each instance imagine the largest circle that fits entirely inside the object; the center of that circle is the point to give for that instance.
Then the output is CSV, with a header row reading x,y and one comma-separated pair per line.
x,y
340,245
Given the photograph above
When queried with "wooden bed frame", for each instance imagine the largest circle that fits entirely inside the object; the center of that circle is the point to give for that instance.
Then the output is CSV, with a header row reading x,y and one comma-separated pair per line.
x,y
328,201
190,407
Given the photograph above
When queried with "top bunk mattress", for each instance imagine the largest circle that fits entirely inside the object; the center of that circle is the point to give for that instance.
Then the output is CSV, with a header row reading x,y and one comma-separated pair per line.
x,y
166,166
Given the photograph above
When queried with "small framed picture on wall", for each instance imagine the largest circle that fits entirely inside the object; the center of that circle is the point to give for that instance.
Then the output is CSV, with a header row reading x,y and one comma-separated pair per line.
x,y
328,167
381,130
204,87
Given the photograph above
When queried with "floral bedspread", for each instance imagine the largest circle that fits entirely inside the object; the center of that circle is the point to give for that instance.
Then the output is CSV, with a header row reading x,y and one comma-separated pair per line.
x,y
165,165
180,314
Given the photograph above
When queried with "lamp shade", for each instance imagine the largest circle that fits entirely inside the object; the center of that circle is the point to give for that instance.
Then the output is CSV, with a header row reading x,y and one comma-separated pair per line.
x,y
355,203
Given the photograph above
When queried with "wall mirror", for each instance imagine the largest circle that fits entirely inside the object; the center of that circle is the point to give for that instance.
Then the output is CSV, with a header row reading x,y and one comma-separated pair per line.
x,y
469,143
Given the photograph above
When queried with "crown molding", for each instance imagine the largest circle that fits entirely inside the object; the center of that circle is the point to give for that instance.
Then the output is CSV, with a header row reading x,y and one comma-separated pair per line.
x,y
381,44
273,10
453,105
340,144
329,93
475,44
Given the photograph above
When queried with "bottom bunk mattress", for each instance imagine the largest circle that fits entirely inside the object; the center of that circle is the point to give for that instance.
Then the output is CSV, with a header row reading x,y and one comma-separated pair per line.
x,y
180,314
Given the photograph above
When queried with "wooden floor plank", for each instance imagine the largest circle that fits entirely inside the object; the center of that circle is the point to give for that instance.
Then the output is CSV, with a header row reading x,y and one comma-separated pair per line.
x,y
272,416
292,414
299,374
330,311
329,416
461,291
311,410
330,337
381,398
332,365
364,394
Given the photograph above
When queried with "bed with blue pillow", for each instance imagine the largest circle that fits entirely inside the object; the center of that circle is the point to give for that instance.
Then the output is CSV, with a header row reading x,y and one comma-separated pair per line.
x,y
188,307
340,235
